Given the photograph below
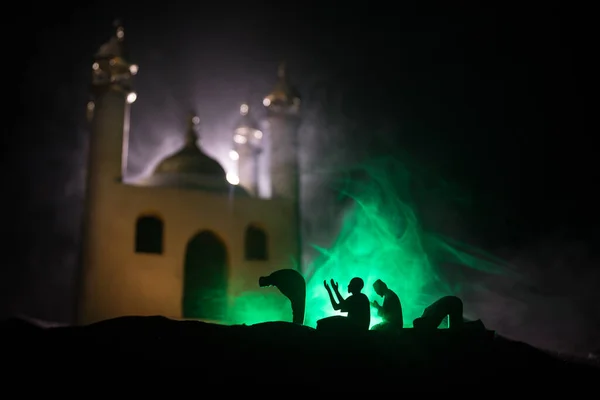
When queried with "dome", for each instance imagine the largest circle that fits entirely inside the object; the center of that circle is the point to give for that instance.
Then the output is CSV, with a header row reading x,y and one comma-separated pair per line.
x,y
246,125
190,160
246,121
283,93
190,167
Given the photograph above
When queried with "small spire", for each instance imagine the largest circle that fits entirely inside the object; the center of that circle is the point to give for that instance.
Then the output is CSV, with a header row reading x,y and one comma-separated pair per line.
x,y
191,137
281,71
115,46
120,31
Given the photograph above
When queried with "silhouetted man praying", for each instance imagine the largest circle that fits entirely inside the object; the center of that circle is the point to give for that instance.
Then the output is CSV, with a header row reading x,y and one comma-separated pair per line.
x,y
391,310
293,286
357,306
433,315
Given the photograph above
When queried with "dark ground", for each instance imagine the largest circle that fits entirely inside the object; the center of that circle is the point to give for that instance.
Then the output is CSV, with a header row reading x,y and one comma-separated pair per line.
x,y
280,351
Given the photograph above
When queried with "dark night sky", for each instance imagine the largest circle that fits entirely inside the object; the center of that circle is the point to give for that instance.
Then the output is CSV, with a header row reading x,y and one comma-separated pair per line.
x,y
490,98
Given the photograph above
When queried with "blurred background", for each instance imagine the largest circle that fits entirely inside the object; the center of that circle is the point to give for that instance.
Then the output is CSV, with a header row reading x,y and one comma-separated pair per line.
x,y
483,105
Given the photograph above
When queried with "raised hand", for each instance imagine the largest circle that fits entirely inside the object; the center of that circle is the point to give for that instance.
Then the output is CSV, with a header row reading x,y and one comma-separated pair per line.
x,y
326,286
334,284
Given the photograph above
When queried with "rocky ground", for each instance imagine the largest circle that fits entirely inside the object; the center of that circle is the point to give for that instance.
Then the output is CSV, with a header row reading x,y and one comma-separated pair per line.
x,y
282,352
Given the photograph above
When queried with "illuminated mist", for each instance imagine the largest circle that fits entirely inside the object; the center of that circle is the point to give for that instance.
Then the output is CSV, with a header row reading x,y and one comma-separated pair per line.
x,y
380,235
380,238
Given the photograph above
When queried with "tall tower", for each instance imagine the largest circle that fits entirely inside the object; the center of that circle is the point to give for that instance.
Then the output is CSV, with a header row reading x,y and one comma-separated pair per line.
x,y
108,115
283,119
109,111
247,141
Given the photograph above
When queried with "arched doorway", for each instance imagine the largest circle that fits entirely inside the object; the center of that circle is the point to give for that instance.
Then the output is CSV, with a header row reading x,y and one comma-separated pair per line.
x,y
205,277
255,243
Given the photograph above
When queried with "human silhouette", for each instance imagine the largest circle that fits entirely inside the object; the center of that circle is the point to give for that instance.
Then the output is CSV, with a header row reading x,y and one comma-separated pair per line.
x,y
293,286
433,315
356,305
391,309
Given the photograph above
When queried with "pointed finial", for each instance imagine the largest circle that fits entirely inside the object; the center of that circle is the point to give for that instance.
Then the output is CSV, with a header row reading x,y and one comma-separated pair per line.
x,y
191,137
282,70
119,27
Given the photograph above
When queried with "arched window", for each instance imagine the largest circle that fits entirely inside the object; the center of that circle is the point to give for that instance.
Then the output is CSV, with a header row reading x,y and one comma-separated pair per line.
x,y
255,244
149,235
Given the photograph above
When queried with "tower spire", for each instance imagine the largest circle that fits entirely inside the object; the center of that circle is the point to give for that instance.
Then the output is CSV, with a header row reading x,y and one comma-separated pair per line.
x,y
111,68
281,71
191,136
284,97
120,31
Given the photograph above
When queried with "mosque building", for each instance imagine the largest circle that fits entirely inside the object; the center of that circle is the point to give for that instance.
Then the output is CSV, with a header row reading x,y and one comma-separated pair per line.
x,y
185,241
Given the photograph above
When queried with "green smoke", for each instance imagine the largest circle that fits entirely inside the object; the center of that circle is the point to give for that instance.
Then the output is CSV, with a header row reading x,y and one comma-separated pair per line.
x,y
261,305
380,238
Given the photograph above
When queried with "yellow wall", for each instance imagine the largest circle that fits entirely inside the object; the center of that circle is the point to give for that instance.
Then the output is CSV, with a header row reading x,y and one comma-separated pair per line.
x,y
119,282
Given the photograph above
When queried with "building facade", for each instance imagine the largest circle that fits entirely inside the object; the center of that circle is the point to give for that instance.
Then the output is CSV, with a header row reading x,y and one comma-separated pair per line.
x,y
184,242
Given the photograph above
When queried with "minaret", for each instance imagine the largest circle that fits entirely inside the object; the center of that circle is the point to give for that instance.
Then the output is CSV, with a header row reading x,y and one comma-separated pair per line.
x,y
247,147
283,118
283,107
109,110
108,115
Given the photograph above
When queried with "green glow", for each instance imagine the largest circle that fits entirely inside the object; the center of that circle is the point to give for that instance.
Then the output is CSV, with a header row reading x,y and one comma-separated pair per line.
x,y
262,305
380,238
